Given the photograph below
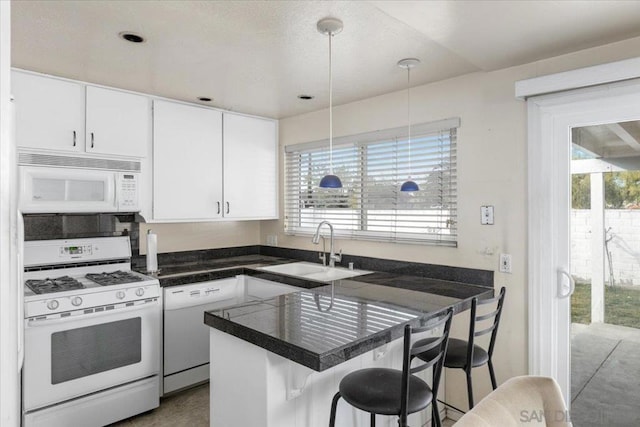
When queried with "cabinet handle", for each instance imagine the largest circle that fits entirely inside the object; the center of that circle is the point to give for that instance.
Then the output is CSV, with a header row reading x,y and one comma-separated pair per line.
x,y
74,138
227,207
218,207
92,138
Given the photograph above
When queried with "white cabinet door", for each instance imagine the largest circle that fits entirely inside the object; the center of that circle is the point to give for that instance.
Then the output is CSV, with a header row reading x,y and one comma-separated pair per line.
x,y
49,112
250,167
187,162
117,122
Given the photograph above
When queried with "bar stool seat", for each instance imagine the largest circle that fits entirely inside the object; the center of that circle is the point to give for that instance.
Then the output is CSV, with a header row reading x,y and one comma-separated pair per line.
x,y
386,391
378,390
465,354
457,354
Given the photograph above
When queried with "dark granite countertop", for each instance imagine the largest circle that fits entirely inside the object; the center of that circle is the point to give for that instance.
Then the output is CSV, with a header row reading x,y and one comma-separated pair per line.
x,y
324,325
310,327
182,272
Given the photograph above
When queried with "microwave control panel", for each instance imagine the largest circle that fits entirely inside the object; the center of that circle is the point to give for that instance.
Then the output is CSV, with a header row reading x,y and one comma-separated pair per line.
x,y
128,191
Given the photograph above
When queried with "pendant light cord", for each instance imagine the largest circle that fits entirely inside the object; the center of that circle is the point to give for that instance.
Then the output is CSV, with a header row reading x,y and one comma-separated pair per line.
x,y
409,113
330,110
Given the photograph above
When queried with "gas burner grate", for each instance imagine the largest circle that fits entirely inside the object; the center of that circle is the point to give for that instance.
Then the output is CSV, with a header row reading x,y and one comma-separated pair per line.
x,y
59,284
113,278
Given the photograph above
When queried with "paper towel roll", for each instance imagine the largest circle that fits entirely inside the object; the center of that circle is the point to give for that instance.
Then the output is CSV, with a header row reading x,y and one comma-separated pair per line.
x,y
152,252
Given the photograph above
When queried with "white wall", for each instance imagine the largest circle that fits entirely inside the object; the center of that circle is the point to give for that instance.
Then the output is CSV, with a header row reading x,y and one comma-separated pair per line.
x,y
624,245
201,235
491,167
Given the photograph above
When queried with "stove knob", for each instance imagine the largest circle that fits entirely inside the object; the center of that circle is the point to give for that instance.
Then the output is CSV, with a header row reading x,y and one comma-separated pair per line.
x,y
76,301
139,292
53,304
120,294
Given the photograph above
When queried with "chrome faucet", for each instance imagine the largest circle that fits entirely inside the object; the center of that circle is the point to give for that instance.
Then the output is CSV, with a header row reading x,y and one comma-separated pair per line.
x,y
333,257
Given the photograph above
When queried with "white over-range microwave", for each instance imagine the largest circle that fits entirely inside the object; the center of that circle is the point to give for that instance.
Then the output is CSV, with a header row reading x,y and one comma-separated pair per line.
x,y
61,184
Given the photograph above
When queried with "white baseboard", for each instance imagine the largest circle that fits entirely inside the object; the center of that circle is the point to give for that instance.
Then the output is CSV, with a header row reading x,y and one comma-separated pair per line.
x,y
452,414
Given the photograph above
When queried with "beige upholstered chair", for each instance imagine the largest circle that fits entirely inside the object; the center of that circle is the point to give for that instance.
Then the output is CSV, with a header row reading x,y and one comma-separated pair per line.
x,y
521,401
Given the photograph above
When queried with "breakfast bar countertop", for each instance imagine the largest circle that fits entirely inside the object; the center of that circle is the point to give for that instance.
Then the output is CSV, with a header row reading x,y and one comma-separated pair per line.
x,y
324,324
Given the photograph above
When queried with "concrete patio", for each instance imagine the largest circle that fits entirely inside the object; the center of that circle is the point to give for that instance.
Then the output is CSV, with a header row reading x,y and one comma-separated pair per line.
x,y
605,371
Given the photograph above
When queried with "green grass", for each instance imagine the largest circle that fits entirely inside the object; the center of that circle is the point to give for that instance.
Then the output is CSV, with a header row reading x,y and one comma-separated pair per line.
x,y
621,305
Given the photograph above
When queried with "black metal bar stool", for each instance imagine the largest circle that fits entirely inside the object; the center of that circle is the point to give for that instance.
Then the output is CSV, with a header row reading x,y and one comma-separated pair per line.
x,y
387,391
466,355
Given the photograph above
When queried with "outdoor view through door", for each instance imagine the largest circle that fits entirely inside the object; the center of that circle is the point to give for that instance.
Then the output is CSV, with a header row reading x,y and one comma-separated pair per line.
x,y
605,263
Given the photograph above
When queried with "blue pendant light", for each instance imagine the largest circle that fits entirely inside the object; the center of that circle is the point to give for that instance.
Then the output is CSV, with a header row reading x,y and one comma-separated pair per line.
x,y
409,186
330,27
408,64
330,181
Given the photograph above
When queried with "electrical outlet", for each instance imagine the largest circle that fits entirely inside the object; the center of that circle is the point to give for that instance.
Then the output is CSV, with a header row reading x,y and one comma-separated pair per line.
x,y
505,263
272,240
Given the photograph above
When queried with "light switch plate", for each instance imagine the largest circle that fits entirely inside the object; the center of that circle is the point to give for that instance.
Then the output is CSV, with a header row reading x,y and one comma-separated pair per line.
x,y
486,215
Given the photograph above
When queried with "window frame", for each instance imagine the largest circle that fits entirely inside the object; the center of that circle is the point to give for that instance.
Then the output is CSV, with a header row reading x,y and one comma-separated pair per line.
x,y
363,143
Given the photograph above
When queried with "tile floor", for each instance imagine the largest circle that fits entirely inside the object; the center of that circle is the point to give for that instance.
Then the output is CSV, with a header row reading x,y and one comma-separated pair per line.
x,y
605,364
189,408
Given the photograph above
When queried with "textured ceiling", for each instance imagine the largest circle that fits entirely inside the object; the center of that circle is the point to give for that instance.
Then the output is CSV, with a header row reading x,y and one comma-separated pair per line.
x,y
257,56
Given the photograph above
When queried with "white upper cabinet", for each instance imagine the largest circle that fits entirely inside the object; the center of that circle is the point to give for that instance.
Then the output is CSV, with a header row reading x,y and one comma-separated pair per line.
x,y
194,181
49,112
187,162
117,122
250,167
200,170
59,115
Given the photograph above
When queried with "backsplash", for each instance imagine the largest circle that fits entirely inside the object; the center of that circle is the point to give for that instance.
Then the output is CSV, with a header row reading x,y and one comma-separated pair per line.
x,y
170,262
67,226
470,276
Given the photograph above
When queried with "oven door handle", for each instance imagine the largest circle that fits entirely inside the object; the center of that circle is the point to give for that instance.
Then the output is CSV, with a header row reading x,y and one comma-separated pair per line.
x,y
34,323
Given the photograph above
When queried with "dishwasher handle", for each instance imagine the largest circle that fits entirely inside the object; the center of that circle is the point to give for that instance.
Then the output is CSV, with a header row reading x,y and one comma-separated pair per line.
x,y
178,297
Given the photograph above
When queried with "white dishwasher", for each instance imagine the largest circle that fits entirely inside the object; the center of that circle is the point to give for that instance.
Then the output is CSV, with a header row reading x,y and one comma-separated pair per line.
x,y
186,337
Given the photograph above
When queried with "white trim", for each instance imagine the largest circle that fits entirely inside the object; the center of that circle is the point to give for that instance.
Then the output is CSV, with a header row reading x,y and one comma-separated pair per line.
x,y
10,287
450,414
584,77
597,247
619,164
550,118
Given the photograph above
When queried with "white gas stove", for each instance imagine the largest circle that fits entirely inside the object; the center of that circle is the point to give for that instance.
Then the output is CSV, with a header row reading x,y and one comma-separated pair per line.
x,y
92,333
76,277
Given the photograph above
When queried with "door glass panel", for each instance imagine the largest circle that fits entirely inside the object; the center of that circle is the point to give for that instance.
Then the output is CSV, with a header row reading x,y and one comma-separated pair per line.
x,y
605,262
81,352
47,189
86,191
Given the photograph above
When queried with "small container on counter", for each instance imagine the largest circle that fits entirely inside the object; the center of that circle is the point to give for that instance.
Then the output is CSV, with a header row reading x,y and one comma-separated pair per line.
x,y
152,252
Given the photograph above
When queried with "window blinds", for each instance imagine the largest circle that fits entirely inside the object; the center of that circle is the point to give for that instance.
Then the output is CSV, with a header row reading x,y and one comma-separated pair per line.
x,y
372,166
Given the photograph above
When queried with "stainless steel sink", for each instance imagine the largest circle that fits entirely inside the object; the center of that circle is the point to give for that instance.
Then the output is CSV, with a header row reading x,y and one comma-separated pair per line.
x,y
308,270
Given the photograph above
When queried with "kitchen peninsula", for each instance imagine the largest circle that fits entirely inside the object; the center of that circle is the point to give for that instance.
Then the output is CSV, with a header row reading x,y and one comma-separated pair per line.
x,y
277,361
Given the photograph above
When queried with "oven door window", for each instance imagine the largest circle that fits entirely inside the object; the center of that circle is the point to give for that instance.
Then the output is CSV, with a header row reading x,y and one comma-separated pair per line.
x,y
82,352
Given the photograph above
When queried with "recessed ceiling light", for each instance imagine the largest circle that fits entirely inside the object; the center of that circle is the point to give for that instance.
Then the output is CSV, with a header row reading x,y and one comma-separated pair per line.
x,y
131,37
204,99
306,97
